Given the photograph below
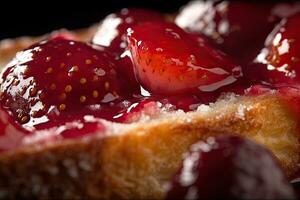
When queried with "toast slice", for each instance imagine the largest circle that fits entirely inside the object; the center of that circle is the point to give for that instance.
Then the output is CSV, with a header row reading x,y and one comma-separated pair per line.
x,y
136,160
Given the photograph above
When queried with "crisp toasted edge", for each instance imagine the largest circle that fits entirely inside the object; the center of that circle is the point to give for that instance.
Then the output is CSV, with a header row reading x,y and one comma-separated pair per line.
x,y
136,161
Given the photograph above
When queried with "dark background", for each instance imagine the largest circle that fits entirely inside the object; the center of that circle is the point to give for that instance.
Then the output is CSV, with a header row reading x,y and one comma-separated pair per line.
x,y
31,17
25,17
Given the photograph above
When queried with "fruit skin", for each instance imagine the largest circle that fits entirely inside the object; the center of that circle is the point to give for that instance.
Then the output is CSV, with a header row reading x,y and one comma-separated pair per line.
x,y
278,62
11,133
229,167
170,61
111,34
58,75
239,28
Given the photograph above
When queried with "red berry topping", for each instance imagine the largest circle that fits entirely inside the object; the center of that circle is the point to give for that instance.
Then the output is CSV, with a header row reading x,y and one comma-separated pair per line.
x,y
229,167
168,60
112,31
57,75
11,133
14,136
279,61
73,127
239,28
151,107
125,71
145,108
256,90
112,35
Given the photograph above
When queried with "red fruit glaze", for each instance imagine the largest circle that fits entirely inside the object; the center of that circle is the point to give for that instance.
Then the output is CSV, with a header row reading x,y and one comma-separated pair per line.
x,y
67,128
11,133
229,167
279,61
112,35
256,90
167,61
125,72
112,30
239,28
152,106
57,75
13,136
139,109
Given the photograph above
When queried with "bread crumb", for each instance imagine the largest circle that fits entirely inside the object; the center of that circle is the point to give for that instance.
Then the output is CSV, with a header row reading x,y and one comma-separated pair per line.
x,y
240,113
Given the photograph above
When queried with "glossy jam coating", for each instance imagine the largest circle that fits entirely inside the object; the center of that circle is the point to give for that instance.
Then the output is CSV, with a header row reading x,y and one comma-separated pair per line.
x,y
66,128
11,133
229,167
238,27
169,61
153,106
58,75
87,120
111,34
278,62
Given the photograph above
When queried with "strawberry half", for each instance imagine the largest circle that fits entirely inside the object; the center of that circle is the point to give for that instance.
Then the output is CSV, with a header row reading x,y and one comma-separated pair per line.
x,y
168,60
278,62
112,32
57,75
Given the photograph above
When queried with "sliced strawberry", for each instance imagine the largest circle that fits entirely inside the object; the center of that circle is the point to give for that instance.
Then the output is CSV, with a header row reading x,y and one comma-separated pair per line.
x,y
112,35
168,60
11,133
278,62
112,31
58,75
238,27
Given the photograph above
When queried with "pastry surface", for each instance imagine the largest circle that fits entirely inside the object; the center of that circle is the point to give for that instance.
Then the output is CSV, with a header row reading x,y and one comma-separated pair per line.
x,y
138,160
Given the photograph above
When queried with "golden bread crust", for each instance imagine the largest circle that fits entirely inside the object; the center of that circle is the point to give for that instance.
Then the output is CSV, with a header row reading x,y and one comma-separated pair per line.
x,y
136,161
